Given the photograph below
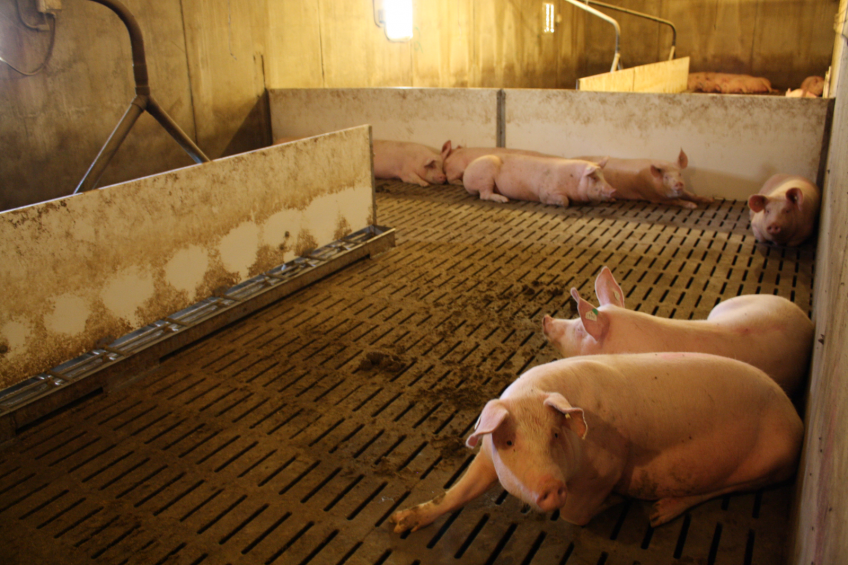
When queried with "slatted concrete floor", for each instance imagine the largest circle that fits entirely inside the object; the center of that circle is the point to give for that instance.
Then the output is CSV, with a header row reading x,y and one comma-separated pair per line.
x,y
291,436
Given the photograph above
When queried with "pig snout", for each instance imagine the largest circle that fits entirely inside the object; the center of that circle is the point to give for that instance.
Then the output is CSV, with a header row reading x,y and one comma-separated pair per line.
x,y
547,326
552,495
553,329
437,177
773,229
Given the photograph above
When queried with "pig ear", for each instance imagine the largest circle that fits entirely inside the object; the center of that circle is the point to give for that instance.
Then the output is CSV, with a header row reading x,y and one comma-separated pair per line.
x,y
682,159
595,323
795,197
757,202
430,164
592,171
607,290
602,163
446,149
656,171
493,415
574,418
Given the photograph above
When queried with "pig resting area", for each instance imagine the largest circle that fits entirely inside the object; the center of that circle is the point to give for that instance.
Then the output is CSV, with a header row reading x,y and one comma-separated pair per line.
x,y
292,435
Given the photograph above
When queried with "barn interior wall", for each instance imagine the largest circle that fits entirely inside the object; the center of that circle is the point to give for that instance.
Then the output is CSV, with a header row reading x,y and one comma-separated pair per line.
x,y
821,506
211,60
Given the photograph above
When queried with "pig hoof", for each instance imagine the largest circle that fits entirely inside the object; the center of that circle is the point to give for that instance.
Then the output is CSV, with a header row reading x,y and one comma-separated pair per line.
x,y
405,520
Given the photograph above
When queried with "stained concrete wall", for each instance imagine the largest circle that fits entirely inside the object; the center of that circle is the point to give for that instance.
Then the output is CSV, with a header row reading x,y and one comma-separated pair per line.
x,y
106,262
430,116
821,509
734,143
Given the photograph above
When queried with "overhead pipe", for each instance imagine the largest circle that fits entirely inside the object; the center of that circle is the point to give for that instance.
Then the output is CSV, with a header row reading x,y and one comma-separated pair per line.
x,y
142,101
642,15
616,61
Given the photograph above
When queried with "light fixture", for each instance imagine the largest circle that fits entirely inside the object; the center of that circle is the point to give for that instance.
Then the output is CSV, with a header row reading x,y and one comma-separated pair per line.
x,y
550,18
395,16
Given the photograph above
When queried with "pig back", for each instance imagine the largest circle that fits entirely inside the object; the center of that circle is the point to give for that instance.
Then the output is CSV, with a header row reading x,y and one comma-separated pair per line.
x,y
663,399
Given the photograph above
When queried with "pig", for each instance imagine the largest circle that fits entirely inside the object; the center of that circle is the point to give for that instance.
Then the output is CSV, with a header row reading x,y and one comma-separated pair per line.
x,y
410,162
727,83
458,159
813,85
549,180
766,331
649,179
785,210
577,434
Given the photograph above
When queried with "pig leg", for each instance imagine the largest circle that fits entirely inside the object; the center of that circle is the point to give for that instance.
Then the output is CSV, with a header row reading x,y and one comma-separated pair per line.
x,y
681,203
555,200
695,198
412,178
477,479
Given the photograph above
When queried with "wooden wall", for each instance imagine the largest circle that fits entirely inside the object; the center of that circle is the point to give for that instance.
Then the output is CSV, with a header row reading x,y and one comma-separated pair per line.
x,y
782,40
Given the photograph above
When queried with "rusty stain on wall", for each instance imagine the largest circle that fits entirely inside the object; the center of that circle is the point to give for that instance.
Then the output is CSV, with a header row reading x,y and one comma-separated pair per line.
x,y
106,262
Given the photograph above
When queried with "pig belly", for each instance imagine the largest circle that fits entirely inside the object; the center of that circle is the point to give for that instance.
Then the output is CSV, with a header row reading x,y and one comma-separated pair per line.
x,y
516,187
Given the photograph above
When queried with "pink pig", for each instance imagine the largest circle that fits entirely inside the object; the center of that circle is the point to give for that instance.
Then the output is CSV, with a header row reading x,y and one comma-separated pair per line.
x,y
766,331
410,162
678,428
549,180
649,179
785,210
458,160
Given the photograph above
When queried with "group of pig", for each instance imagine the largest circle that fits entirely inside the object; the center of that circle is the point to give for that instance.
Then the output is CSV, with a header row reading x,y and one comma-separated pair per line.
x,y
673,411
640,406
784,212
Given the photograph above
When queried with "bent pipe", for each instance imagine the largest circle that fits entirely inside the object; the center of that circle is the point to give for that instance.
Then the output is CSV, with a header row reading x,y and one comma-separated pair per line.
x,y
584,5
641,15
142,101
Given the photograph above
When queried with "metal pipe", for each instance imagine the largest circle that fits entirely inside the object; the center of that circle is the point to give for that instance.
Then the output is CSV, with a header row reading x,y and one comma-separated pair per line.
x,y
143,101
178,134
584,6
142,85
641,15
92,176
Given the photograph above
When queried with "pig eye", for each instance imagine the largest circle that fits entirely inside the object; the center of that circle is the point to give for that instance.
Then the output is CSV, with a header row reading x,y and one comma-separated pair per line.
x,y
556,435
509,443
